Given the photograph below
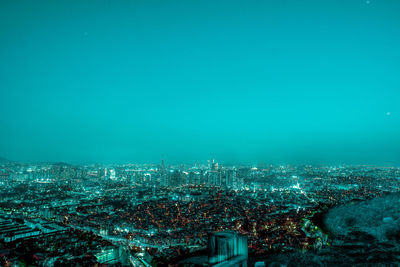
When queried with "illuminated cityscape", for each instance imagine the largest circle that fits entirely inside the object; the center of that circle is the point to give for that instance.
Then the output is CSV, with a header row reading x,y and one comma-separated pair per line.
x,y
219,133
157,214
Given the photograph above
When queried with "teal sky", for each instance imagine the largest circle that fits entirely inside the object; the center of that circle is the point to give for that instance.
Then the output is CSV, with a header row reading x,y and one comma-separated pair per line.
x,y
239,81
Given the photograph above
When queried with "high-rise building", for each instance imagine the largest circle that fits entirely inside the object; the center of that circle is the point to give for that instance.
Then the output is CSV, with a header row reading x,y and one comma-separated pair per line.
x,y
227,248
230,178
175,178
162,167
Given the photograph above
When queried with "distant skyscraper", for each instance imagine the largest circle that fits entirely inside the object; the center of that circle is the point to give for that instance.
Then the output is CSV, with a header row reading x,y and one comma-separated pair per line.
x,y
230,178
175,178
214,165
191,178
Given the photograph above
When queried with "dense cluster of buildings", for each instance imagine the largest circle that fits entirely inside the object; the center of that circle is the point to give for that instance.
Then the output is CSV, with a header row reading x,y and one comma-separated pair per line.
x,y
149,214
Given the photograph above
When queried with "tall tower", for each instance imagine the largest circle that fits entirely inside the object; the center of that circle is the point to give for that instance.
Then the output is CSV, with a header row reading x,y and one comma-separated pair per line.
x,y
227,248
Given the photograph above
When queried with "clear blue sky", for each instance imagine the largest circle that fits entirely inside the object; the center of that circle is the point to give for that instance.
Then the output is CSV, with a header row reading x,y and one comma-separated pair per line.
x,y
240,81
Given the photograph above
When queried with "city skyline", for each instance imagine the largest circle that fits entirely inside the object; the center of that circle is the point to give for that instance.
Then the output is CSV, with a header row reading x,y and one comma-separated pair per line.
x,y
55,214
274,82
194,163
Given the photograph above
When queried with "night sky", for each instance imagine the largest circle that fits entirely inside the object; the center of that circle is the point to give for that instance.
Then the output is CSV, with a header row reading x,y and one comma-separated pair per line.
x,y
239,81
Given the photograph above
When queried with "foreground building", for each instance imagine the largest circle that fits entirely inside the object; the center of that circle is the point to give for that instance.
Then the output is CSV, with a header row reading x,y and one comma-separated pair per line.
x,y
227,248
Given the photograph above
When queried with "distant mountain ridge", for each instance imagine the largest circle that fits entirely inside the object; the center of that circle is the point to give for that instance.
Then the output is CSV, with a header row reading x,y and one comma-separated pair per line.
x,y
59,163
62,164
4,160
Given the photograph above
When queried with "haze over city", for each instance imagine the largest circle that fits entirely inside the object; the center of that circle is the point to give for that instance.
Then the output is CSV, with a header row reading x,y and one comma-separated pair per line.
x,y
186,81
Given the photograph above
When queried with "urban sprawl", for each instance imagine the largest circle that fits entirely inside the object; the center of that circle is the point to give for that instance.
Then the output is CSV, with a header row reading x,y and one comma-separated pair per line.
x,y
57,214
